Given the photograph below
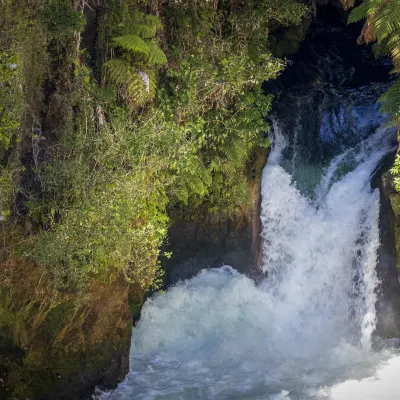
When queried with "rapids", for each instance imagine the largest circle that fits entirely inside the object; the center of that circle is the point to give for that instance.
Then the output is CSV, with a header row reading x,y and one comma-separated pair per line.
x,y
305,331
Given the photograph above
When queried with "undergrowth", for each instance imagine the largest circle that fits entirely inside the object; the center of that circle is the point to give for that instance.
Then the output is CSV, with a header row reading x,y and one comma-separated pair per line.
x,y
98,155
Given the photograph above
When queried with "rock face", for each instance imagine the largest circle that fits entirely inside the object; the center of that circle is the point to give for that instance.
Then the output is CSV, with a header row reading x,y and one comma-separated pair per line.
x,y
60,345
202,241
388,304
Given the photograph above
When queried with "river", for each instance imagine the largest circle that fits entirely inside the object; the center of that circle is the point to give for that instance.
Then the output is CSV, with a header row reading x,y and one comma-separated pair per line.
x,y
306,330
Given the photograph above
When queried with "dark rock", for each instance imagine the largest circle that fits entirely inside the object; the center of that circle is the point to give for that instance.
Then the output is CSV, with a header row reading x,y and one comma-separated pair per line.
x,y
57,345
286,42
388,303
203,241
197,245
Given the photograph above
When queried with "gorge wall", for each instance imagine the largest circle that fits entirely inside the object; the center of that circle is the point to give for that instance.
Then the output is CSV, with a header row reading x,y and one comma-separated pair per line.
x,y
61,344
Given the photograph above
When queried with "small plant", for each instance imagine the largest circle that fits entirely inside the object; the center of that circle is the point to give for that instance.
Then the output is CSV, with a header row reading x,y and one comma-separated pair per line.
x,y
136,56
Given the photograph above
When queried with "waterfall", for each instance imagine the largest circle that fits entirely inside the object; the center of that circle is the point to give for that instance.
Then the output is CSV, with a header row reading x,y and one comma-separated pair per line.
x,y
320,254
308,326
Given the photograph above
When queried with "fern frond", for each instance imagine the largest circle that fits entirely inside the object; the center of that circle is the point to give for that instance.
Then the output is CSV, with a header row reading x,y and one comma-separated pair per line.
x,y
153,21
134,72
117,16
130,84
387,19
383,25
136,88
391,101
145,26
156,55
143,30
359,13
118,70
395,53
380,50
132,43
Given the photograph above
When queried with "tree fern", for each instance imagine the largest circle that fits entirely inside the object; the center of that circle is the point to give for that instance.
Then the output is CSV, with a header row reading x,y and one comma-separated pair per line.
x,y
156,56
383,26
136,88
138,55
129,81
131,43
380,50
118,70
143,25
360,13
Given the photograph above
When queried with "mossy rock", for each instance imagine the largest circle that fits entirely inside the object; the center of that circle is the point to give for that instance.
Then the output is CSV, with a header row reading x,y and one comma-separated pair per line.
x,y
64,344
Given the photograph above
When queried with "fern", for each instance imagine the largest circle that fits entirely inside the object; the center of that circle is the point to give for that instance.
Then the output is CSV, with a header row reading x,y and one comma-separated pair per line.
x,y
132,43
380,50
130,83
391,102
138,55
145,26
143,30
149,52
382,24
156,56
359,13
118,70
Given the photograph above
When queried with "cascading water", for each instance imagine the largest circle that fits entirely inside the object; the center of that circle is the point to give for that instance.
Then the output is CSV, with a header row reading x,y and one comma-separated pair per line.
x,y
306,331
306,327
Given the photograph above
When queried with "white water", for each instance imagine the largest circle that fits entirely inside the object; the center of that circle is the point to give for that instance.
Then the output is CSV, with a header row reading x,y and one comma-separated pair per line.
x,y
303,333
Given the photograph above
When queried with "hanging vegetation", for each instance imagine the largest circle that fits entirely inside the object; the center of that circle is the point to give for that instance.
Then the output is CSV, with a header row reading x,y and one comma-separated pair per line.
x,y
98,155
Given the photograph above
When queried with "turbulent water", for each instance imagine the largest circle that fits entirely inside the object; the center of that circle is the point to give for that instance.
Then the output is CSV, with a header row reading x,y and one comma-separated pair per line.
x,y
305,331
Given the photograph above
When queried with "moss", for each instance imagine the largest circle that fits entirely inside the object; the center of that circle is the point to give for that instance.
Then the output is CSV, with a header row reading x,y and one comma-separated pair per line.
x,y
62,335
395,202
136,299
54,375
57,317
62,20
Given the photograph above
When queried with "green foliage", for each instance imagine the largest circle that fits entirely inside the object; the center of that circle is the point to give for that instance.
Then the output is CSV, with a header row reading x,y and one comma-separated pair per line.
x,y
10,110
62,20
138,55
104,206
361,12
10,95
13,28
383,26
391,101
395,171
6,191
218,61
132,43
102,175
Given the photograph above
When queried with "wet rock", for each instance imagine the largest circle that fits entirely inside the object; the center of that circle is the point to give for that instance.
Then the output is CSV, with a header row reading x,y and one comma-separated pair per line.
x,y
57,345
204,241
388,303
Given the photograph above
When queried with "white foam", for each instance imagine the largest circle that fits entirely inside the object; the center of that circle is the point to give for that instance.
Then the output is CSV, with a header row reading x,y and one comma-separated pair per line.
x,y
320,255
307,326
384,385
